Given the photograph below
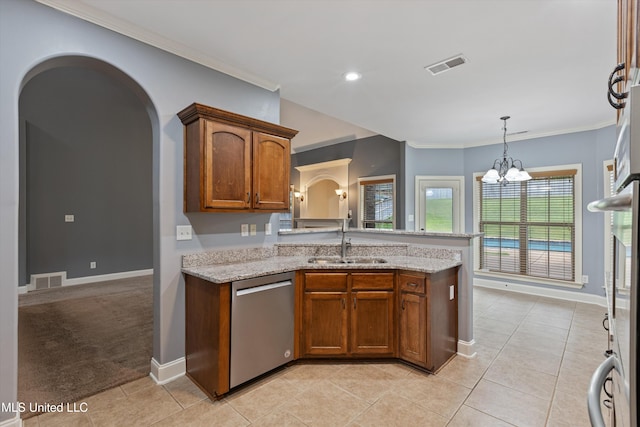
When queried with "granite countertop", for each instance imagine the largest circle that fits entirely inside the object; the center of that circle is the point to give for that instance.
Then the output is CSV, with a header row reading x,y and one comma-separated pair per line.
x,y
228,272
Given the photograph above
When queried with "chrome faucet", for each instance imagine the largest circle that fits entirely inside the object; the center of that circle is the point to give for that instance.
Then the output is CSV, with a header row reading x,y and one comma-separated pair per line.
x,y
346,243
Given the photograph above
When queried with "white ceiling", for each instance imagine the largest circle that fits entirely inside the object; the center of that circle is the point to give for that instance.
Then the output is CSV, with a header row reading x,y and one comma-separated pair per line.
x,y
543,62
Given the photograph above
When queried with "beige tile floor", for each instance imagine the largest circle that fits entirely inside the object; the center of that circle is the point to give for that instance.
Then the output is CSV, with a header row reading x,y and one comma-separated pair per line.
x,y
534,359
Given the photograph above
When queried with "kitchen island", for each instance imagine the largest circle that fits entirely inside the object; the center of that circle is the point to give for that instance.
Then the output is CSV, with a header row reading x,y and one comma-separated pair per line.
x,y
384,300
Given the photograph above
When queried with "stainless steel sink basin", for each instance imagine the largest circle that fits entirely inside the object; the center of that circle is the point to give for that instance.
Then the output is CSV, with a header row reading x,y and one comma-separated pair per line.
x,y
348,260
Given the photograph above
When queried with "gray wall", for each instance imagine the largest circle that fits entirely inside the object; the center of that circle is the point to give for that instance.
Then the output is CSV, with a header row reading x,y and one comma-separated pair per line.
x,y
372,156
88,147
166,84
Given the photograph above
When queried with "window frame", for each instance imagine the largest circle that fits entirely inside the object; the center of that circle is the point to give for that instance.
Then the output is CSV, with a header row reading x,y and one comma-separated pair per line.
x,y
372,180
577,281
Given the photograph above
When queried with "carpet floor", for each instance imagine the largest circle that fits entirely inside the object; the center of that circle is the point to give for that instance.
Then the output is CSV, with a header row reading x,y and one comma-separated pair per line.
x,y
76,341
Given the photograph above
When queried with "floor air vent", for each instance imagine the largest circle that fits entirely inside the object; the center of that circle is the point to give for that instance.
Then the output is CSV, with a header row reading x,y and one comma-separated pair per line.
x,y
47,280
447,64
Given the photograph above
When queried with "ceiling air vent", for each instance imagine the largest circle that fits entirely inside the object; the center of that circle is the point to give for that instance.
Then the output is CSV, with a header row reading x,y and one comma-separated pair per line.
x,y
447,64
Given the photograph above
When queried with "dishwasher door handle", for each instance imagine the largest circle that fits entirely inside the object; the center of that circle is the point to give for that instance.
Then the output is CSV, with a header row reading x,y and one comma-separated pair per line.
x,y
263,288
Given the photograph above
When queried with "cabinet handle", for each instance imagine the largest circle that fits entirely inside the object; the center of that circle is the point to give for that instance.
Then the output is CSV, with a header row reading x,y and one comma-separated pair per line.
x,y
412,284
257,198
354,303
248,197
403,303
344,304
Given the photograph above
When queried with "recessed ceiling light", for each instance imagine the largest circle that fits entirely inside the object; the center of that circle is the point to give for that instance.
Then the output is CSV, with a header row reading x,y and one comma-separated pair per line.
x,y
352,76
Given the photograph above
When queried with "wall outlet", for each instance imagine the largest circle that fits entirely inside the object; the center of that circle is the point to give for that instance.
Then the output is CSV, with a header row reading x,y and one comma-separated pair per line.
x,y
267,229
252,229
92,264
585,279
184,232
244,230
69,218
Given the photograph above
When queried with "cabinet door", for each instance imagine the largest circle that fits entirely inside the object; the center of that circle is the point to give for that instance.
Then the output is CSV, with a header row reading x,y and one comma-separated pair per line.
x,y
227,167
413,325
271,160
372,322
325,323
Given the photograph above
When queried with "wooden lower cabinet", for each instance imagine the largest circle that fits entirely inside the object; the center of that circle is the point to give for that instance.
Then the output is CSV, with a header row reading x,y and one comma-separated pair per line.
x,y
428,318
208,334
412,342
372,322
325,323
339,314
358,320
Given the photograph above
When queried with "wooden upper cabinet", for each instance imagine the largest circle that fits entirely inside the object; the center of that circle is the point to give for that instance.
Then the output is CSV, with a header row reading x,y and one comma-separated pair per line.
x,y
234,163
227,167
271,168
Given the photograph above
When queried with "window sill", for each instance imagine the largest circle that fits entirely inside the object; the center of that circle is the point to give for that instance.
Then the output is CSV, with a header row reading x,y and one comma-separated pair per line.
x,y
528,279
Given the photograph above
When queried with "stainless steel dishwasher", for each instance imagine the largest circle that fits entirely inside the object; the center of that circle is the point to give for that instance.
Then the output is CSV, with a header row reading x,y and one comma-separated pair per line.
x,y
261,325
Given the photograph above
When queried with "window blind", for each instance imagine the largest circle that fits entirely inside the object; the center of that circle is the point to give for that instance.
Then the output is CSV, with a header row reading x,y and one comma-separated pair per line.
x,y
529,227
376,204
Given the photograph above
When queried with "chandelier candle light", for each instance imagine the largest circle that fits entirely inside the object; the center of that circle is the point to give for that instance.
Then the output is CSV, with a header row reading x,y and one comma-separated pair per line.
x,y
505,170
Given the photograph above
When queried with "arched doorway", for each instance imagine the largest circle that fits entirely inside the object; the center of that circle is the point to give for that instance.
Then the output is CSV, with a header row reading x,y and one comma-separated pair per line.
x,y
87,132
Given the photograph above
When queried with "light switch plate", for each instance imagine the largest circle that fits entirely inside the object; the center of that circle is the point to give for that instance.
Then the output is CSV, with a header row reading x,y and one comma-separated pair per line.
x,y
69,218
244,230
184,232
252,229
452,293
267,229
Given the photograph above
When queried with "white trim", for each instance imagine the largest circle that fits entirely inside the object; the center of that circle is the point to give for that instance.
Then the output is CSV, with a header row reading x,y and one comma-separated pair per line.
x,y
467,348
529,279
323,165
12,422
543,292
168,372
105,277
23,289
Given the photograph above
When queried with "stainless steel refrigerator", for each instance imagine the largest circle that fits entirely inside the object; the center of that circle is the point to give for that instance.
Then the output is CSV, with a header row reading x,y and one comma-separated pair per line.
x,y
615,381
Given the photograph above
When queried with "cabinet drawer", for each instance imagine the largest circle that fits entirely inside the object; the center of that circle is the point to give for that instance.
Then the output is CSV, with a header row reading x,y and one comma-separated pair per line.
x,y
412,282
325,281
373,281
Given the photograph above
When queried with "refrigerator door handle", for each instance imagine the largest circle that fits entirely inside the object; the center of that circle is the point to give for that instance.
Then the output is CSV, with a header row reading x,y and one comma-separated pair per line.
x,y
620,202
595,386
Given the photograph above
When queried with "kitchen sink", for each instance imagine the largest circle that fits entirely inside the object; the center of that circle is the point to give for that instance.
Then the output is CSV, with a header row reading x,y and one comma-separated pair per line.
x,y
348,260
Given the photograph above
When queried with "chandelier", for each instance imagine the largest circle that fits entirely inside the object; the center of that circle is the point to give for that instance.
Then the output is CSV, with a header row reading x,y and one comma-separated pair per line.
x,y
505,170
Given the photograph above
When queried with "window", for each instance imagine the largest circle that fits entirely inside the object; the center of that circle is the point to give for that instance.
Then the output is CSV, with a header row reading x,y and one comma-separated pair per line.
x,y
530,228
377,202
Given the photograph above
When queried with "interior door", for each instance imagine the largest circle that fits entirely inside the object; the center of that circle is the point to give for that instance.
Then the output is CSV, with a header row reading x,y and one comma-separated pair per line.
x,y
439,205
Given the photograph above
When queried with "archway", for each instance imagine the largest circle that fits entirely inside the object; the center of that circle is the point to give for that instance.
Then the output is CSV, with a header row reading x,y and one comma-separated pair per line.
x,y
87,136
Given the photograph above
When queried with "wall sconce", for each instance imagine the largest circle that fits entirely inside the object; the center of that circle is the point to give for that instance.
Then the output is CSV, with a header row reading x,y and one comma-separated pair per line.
x,y
298,195
341,194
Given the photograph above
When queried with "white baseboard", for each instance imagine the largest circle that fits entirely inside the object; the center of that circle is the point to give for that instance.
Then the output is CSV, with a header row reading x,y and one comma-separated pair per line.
x,y
467,348
90,279
105,277
12,422
543,292
168,372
